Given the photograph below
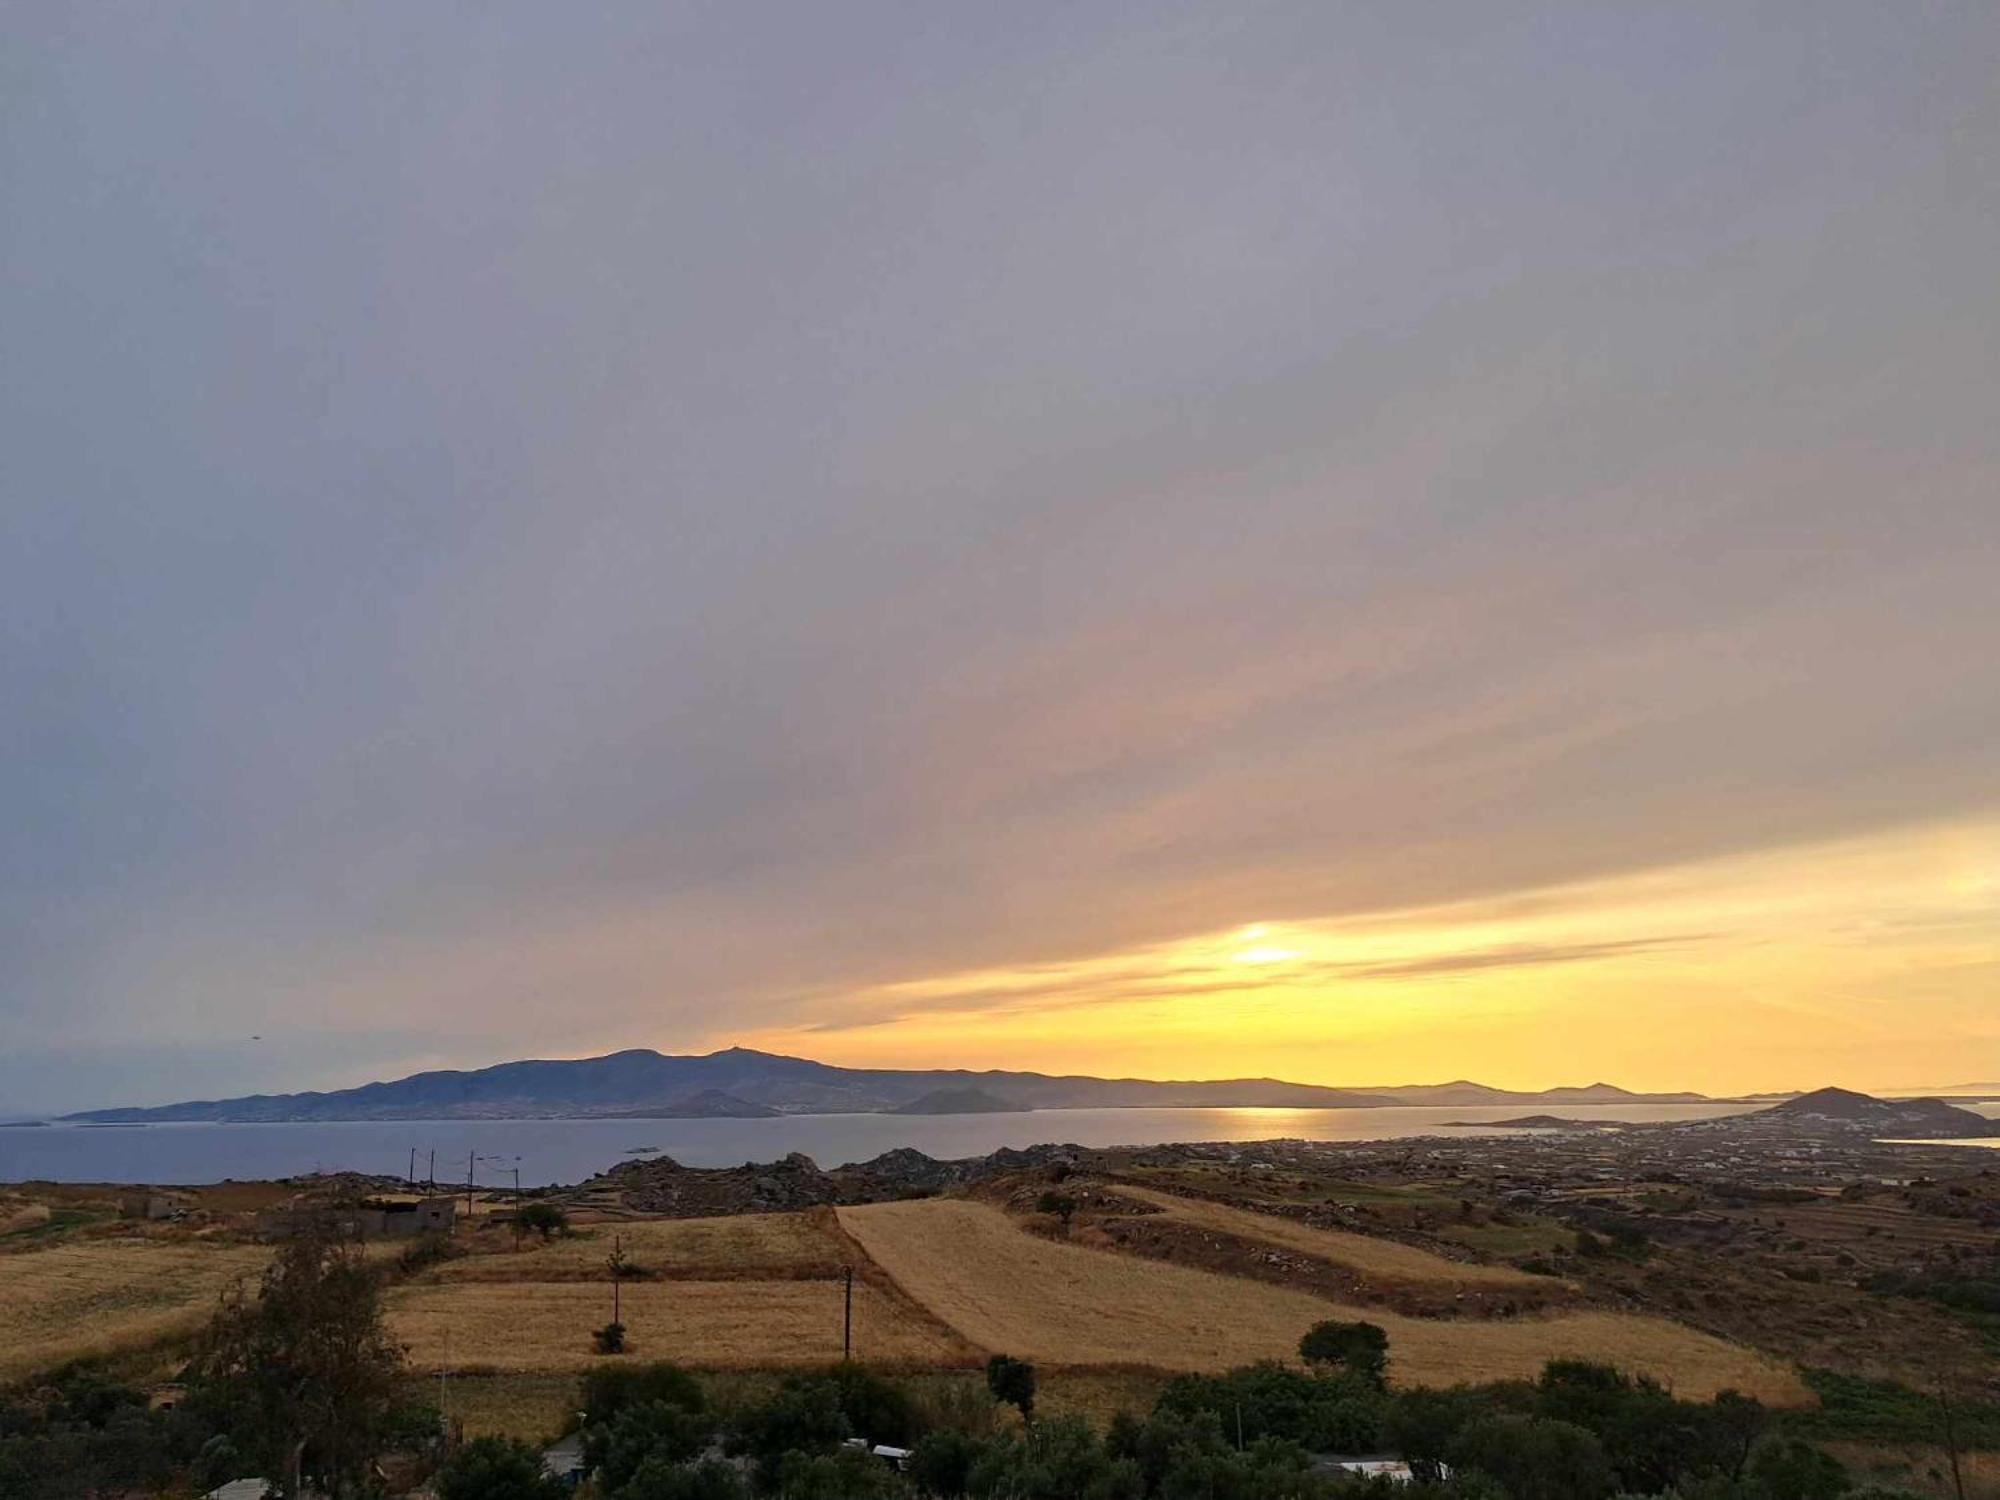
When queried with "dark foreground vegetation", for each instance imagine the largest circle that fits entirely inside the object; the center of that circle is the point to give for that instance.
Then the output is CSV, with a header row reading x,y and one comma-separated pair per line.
x,y
299,1385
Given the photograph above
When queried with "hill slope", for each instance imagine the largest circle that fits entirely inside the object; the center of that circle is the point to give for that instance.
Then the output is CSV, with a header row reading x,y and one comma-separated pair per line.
x,y
1845,1111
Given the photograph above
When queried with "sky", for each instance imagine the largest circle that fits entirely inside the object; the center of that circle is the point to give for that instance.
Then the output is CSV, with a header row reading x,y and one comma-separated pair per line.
x,y
1360,543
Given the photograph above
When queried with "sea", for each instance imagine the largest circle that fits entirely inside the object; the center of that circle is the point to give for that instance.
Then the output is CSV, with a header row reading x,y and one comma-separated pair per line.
x,y
568,1151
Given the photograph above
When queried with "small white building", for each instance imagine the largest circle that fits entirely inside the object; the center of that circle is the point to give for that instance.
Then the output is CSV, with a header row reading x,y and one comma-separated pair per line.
x,y
563,1461
1371,1466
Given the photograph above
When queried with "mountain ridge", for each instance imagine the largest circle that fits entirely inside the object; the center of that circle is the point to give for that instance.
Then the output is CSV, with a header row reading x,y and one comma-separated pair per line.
x,y
638,1081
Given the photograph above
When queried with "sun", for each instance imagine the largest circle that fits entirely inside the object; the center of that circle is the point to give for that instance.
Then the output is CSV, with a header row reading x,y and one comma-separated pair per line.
x,y
1259,949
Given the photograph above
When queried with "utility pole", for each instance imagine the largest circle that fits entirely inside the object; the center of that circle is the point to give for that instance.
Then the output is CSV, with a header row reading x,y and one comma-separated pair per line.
x,y
413,1169
433,1178
617,1265
470,1158
847,1320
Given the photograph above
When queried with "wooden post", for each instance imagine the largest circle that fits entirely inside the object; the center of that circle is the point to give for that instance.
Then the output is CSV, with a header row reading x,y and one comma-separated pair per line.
x,y
847,1320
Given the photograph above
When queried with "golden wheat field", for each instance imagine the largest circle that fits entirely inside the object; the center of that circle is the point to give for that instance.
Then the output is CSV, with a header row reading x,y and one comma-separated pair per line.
x,y
19,1213
754,1245
545,1325
101,1296
1006,1290
1360,1252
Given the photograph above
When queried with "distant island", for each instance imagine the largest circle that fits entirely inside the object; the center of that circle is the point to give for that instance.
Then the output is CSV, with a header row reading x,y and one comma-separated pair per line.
x,y
1819,1114
740,1083
1843,1111
1536,1122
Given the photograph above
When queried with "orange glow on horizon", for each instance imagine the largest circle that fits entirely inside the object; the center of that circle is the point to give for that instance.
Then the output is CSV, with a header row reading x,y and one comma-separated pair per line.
x,y
1762,971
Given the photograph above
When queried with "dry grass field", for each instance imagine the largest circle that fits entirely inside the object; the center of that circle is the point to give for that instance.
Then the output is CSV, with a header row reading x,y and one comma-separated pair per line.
x,y
19,1213
106,1295
801,1245
545,1325
1003,1289
531,1407
1365,1253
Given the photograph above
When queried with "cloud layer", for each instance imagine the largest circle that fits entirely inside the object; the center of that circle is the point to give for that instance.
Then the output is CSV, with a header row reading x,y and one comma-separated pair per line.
x,y
527,533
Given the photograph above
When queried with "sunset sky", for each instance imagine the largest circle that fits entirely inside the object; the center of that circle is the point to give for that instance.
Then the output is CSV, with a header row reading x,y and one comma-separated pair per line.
x,y
1362,543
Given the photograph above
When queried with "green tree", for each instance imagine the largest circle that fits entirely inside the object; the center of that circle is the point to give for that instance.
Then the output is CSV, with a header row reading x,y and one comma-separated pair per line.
x,y
844,1474
497,1468
1652,1440
1736,1421
1362,1349
81,1434
1268,1399
609,1389
544,1219
802,1417
1060,1459
1536,1457
876,1409
303,1377
1788,1469
1013,1381
1423,1424
941,1462
711,1479
640,1433
1062,1205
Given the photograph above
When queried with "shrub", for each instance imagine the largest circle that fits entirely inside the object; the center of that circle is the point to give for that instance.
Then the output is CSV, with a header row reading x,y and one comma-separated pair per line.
x,y
844,1474
641,1433
1270,1400
803,1417
710,1479
610,1339
497,1468
608,1390
876,1409
1536,1456
1062,1205
1013,1381
1060,1459
941,1463
544,1219
1788,1469
425,1251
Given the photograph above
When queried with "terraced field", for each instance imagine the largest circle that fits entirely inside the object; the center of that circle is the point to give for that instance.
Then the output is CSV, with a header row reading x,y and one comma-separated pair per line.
x,y
1002,1289
545,1325
754,1291
1361,1252
801,1246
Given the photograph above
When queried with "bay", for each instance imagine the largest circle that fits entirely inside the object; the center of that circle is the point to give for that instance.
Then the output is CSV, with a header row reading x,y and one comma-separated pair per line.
x,y
567,1151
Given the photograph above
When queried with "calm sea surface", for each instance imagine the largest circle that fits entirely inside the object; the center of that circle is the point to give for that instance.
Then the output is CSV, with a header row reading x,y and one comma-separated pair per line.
x,y
570,1150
